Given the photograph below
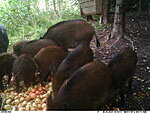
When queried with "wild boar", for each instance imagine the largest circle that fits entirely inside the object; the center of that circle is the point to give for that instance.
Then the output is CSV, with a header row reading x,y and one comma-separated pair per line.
x,y
122,67
6,64
32,47
48,59
18,46
87,88
4,42
69,34
81,55
24,68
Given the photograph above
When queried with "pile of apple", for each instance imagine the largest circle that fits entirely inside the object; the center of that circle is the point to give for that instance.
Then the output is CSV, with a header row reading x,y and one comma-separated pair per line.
x,y
31,99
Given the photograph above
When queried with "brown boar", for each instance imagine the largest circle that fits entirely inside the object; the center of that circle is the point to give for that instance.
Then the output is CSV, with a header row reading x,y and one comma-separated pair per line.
x,y
86,88
17,47
6,64
69,34
81,55
48,60
122,66
24,68
31,47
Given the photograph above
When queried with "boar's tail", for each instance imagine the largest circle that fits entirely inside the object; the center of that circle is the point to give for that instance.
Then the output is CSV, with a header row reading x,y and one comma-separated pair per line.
x,y
97,42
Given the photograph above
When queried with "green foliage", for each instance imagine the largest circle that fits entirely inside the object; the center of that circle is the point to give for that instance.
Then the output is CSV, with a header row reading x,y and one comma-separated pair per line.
x,y
26,20
99,27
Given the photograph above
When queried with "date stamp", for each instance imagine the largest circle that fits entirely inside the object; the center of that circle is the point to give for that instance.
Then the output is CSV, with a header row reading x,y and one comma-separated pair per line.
x,y
5,112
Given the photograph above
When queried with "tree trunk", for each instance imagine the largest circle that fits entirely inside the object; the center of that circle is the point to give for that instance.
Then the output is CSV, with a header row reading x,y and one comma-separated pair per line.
x,y
54,6
104,19
60,2
119,21
81,12
59,8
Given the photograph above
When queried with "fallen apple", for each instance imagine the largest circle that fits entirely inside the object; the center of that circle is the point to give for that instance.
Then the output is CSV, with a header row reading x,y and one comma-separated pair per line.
x,y
31,99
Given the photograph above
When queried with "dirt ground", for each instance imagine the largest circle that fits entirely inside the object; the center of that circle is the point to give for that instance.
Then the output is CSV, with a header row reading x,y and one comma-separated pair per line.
x,y
138,29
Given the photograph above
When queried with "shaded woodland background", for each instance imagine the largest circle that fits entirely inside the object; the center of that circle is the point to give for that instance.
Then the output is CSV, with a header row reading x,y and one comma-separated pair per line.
x,y
25,19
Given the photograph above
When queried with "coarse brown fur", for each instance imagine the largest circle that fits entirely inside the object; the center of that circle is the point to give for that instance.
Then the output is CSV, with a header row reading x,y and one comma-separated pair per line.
x,y
85,89
32,47
48,60
6,64
122,66
18,46
81,55
24,68
69,34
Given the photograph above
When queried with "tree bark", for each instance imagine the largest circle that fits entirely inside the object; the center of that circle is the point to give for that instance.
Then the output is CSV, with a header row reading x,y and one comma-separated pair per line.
x,y
55,9
81,12
60,2
104,19
119,21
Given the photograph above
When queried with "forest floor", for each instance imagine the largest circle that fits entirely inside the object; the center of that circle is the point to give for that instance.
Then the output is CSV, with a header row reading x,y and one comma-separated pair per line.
x,y
138,29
